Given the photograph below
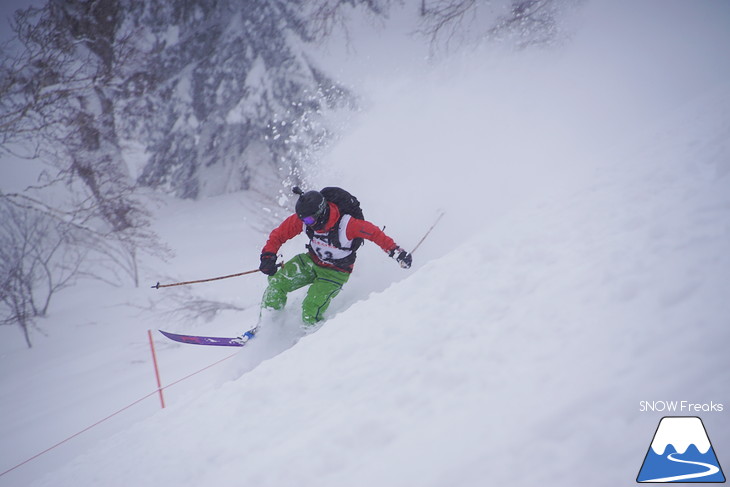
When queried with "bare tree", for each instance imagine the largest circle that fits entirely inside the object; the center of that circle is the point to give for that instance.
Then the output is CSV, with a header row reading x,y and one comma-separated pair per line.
x,y
523,22
444,20
57,103
57,98
37,259
324,16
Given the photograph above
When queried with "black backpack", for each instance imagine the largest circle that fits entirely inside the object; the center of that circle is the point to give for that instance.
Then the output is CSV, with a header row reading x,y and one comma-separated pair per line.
x,y
346,202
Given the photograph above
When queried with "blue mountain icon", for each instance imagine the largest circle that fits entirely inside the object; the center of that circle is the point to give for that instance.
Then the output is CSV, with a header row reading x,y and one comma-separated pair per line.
x,y
681,452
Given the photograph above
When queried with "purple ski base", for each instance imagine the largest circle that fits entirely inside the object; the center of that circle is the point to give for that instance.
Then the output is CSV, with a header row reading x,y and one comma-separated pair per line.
x,y
198,340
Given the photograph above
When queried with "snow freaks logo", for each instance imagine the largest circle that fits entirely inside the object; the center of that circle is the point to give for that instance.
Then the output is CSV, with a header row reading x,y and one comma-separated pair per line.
x,y
680,452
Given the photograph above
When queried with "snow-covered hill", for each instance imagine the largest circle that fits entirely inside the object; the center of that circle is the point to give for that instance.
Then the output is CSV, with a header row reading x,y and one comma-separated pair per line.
x,y
581,268
520,357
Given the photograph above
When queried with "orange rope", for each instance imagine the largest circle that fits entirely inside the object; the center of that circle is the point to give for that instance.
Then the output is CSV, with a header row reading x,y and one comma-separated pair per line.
x,y
114,414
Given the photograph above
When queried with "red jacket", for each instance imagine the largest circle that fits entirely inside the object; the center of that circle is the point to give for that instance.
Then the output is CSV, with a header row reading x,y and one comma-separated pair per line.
x,y
293,226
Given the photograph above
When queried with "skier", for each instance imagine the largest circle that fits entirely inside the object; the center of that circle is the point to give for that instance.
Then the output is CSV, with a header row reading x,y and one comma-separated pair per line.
x,y
330,220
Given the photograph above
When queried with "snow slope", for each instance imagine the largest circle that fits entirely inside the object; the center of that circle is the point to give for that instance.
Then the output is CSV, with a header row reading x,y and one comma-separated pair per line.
x,y
518,358
580,269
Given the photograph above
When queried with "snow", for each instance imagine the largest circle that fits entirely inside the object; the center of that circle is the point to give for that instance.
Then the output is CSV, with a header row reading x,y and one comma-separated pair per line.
x,y
256,83
581,267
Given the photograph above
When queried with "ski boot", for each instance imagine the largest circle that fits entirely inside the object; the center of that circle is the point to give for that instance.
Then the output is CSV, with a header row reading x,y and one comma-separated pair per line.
x,y
246,336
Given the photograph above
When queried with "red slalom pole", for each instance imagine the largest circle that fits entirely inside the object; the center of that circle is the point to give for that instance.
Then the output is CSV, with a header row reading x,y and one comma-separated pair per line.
x,y
157,369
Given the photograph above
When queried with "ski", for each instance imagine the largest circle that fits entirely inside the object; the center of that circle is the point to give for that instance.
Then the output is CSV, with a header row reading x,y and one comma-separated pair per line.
x,y
215,341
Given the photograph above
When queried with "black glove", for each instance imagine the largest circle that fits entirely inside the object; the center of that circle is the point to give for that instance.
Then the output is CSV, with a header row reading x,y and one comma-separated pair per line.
x,y
268,263
402,257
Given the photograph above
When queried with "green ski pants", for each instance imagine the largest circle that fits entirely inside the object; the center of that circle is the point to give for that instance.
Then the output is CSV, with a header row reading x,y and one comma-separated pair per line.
x,y
324,284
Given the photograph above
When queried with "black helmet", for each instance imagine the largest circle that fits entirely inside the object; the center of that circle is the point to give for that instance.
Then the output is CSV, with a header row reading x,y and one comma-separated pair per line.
x,y
312,209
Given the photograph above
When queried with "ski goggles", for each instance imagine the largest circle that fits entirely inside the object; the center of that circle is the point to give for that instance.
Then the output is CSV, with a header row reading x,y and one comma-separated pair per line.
x,y
309,220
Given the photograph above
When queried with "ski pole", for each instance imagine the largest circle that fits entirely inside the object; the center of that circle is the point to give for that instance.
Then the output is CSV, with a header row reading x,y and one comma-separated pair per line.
x,y
158,285
429,231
